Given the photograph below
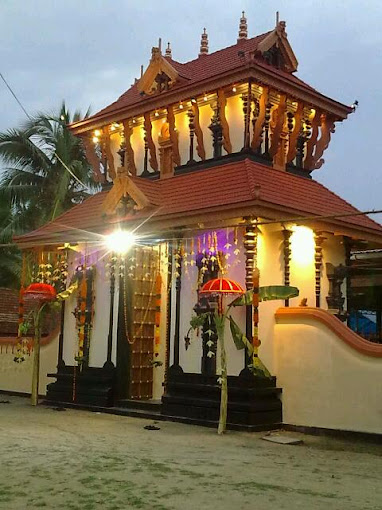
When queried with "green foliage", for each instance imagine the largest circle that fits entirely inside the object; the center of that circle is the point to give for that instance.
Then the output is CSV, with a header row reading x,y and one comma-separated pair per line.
x,y
267,293
35,186
240,340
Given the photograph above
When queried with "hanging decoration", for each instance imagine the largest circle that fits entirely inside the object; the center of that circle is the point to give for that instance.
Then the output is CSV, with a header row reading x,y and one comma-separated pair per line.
x,y
84,312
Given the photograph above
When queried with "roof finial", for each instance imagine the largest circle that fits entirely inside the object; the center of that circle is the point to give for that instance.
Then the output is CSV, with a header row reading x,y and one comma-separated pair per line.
x,y
277,18
160,45
141,70
243,29
168,51
204,43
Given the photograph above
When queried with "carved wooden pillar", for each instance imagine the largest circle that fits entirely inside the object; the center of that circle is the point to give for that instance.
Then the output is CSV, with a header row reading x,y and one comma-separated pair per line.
x,y
247,110
175,367
127,149
250,247
217,132
149,145
191,126
287,257
109,365
318,239
198,132
145,172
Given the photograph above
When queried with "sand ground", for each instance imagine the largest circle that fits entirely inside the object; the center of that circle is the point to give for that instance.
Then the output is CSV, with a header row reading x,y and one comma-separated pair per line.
x,y
82,460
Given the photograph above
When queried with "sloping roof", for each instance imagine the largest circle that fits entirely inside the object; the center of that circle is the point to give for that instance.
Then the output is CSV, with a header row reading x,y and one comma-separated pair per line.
x,y
205,67
228,186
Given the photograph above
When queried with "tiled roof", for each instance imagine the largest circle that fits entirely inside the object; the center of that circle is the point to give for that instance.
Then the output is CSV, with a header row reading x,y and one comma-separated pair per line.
x,y
204,68
242,183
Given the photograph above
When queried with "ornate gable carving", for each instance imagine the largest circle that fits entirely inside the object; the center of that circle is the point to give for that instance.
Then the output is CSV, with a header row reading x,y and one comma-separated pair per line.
x,y
159,76
277,51
124,193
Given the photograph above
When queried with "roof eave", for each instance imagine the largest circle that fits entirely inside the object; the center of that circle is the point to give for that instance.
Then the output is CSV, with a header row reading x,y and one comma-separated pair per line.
x,y
218,214
254,70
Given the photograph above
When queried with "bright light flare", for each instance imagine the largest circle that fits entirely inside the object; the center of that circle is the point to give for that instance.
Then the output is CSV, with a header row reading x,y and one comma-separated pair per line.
x,y
302,245
120,241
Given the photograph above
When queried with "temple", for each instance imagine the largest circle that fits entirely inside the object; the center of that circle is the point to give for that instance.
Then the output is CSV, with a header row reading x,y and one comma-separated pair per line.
x,y
208,171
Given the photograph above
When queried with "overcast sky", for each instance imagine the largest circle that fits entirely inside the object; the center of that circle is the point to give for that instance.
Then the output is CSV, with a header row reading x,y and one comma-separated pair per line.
x,y
88,52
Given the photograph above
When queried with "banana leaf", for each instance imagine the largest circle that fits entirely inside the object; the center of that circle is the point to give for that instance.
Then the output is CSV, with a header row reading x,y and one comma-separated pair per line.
x,y
267,293
240,340
65,294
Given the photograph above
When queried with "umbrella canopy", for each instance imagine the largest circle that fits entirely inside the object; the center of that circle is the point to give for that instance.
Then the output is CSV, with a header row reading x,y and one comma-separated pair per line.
x,y
221,286
40,291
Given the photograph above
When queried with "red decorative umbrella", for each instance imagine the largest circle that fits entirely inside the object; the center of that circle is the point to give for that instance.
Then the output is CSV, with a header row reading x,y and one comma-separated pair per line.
x,y
42,292
221,286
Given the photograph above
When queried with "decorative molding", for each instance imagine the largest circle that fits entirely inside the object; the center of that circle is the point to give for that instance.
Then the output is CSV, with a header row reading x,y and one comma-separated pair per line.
x,y
150,143
309,160
327,127
337,327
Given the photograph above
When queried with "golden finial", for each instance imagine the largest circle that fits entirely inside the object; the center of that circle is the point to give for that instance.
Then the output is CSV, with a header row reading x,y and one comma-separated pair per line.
x,y
243,29
168,51
204,43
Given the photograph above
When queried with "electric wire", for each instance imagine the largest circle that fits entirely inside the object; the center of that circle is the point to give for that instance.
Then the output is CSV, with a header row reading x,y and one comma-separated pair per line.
x,y
30,118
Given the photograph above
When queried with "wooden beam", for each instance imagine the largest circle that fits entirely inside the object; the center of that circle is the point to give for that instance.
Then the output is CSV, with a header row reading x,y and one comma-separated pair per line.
x,y
129,162
292,149
173,136
279,123
108,153
258,131
198,132
150,142
222,102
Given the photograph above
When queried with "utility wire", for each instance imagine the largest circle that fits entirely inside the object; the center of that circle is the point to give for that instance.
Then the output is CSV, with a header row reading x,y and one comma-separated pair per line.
x,y
30,118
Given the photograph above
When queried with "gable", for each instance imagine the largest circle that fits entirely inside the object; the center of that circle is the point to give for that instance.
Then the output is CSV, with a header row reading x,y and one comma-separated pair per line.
x,y
159,75
277,51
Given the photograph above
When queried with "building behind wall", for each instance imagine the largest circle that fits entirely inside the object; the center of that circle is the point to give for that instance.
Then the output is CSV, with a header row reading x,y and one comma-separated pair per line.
x,y
211,163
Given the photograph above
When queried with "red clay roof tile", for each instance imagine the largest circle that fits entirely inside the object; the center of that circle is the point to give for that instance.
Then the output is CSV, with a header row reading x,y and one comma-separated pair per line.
x,y
201,191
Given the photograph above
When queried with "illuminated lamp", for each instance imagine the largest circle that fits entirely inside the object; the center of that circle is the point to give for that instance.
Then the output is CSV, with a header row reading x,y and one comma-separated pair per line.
x,y
234,89
302,246
97,132
95,139
205,97
156,114
193,100
180,106
120,241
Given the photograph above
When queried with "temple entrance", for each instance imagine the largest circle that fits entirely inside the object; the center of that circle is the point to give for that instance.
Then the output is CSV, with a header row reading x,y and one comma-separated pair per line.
x,y
136,325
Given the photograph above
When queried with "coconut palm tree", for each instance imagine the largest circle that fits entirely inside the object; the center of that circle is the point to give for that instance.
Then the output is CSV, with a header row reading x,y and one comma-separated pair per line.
x,y
45,173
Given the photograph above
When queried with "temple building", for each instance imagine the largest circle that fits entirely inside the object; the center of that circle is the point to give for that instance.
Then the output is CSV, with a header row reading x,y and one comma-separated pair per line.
x,y
208,171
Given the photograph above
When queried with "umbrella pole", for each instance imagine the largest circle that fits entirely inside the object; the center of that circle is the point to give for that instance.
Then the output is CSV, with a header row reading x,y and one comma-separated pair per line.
x,y
223,363
36,356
